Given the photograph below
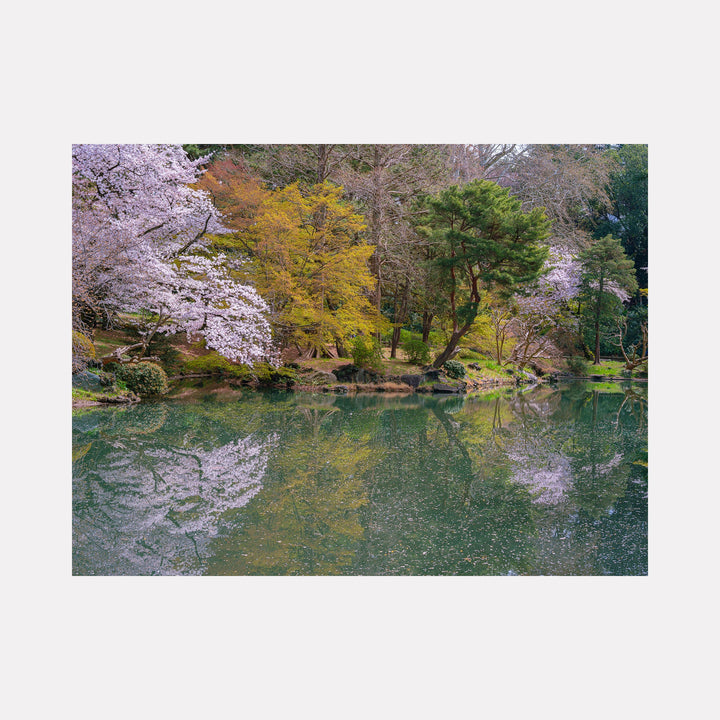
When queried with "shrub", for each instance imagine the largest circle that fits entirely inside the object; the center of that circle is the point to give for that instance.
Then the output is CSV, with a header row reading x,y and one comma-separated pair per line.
x,y
82,350
366,352
216,364
266,374
454,369
467,354
417,351
142,378
577,365
163,348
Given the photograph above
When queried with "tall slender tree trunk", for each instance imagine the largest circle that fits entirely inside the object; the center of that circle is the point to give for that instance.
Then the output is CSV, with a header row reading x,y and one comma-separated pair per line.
x,y
400,318
376,270
375,232
323,153
597,322
426,325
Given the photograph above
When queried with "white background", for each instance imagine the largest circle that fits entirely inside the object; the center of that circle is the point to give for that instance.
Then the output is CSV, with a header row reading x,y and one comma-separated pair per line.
x,y
358,648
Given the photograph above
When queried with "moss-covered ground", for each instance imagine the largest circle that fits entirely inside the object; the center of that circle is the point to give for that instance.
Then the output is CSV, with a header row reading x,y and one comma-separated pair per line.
x,y
615,368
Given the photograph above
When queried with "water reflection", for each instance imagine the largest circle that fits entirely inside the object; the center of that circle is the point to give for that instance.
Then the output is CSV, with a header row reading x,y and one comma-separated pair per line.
x,y
143,507
552,481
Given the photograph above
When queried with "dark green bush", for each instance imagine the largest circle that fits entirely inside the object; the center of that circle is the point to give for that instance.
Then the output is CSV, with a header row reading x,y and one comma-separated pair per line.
x,y
577,365
417,351
162,347
366,352
454,369
142,378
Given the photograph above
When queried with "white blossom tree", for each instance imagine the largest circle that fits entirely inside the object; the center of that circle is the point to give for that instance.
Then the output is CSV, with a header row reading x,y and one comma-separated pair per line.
x,y
197,295
544,310
140,244
531,318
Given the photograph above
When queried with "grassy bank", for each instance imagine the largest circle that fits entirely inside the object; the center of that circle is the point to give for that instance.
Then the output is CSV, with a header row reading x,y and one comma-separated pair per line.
x,y
189,367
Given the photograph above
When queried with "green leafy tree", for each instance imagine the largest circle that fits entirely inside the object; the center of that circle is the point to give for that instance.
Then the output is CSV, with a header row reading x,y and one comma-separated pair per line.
x,y
608,275
627,217
484,241
385,180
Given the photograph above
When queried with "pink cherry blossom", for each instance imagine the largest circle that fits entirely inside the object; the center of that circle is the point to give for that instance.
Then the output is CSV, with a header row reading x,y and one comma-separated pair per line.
x,y
140,244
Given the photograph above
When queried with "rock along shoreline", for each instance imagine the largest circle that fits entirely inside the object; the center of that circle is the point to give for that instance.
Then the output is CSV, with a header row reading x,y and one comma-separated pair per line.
x,y
345,380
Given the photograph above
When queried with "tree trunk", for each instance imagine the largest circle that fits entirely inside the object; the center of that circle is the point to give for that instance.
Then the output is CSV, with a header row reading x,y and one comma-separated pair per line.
x,y
597,323
323,153
395,338
376,270
375,224
341,349
400,318
426,325
449,351
395,342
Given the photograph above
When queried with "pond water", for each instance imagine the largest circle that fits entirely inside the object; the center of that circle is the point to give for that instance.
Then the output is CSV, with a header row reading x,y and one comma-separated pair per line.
x,y
550,481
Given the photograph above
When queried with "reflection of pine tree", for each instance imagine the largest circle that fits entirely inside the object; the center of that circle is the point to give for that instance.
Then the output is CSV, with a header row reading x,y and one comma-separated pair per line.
x,y
441,502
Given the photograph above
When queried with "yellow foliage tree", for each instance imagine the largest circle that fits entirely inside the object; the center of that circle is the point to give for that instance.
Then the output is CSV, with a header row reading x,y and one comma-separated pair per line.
x,y
309,259
312,266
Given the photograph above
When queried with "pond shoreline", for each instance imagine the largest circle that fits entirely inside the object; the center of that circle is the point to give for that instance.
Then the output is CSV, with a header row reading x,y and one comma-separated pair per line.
x,y
445,386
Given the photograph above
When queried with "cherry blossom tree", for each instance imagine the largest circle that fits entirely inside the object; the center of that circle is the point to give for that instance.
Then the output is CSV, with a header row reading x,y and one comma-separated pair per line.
x,y
541,312
545,309
531,318
197,295
140,244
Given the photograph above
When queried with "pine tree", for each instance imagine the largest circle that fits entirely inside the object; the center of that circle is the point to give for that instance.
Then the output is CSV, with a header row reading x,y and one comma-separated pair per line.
x,y
484,241
607,272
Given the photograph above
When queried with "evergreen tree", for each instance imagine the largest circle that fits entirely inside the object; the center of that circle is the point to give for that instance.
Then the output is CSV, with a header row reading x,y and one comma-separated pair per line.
x,y
628,216
484,241
607,275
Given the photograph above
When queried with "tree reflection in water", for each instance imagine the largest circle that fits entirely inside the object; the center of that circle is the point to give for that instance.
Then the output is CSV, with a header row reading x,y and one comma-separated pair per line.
x,y
551,481
149,508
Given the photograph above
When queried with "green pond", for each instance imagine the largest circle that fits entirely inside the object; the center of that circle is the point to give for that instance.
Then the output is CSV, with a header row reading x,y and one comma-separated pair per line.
x,y
550,481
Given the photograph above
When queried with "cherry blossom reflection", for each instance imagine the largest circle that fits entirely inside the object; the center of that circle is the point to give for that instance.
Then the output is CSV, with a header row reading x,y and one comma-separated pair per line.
x,y
155,510
550,476
535,448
